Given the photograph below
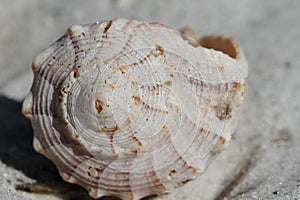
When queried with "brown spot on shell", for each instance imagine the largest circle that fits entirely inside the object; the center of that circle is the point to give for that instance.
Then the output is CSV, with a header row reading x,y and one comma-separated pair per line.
x,y
111,137
237,85
223,112
107,26
172,172
99,105
111,86
75,74
159,49
121,68
99,170
72,30
137,99
111,129
155,24
222,141
137,141
88,173
134,151
168,83
194,170
64,90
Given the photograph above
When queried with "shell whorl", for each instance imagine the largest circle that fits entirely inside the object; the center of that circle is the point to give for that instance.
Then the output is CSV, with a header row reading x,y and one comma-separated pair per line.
x,y
131,109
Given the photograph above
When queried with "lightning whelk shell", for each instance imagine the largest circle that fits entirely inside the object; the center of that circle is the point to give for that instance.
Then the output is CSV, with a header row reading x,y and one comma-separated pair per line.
x,y
130,109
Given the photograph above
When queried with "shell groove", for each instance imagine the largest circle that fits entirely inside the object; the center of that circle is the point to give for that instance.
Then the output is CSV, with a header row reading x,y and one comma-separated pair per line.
x,y
131,109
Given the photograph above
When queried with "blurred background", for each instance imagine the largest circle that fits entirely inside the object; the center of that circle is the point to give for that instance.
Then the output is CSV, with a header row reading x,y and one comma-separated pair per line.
x,y
263,160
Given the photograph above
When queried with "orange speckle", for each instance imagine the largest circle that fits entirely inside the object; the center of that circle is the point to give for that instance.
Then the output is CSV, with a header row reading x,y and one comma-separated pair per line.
x,y
168,83
222,141
237,85
111,86
159,49
137,98
121,68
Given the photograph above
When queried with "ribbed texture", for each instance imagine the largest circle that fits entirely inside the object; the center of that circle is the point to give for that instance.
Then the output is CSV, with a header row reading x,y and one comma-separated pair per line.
x,y
130,109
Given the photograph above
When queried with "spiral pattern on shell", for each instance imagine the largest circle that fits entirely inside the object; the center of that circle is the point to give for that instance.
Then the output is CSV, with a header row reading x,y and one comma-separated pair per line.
x,y
131,109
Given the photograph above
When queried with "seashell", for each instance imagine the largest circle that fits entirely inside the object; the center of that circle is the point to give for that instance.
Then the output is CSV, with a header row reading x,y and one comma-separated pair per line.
x,y
131,109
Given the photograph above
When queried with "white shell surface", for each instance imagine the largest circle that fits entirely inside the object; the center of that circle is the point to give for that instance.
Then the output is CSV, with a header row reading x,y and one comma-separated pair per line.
x,y
131,109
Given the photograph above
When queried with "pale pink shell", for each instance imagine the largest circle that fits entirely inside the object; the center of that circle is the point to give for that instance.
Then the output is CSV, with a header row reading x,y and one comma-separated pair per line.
x,y
131,109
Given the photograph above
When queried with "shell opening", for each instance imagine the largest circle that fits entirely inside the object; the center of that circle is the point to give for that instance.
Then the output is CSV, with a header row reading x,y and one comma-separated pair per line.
x,y
226,45
219,43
